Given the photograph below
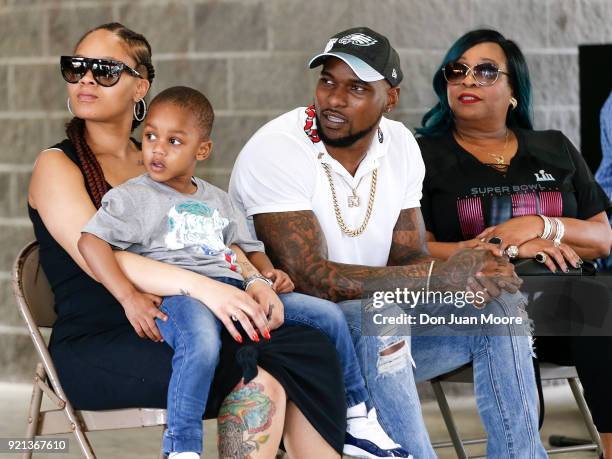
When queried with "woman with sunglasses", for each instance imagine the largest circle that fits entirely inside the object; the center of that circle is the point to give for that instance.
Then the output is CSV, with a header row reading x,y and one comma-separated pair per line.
x,y
490,175
102,362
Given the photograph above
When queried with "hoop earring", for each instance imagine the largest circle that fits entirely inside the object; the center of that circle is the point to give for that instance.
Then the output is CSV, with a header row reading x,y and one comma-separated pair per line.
x,y
513,102
140,114
69,109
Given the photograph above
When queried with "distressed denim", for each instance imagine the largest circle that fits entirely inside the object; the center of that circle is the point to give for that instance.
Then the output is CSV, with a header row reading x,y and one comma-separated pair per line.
x,y
504,381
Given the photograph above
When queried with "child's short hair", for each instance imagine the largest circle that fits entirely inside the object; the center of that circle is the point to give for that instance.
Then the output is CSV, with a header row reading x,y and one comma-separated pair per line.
x,y
191,99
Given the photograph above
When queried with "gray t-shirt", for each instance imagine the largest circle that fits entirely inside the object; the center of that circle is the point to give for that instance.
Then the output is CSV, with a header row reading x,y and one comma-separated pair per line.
x,y
193,231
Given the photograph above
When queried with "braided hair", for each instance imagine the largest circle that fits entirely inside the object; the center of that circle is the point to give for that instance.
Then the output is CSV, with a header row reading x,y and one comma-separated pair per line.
x,y
140,50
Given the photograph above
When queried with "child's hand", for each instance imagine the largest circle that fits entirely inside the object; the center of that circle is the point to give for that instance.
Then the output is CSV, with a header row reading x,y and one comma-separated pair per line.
x,y
270,303
282,281
142,309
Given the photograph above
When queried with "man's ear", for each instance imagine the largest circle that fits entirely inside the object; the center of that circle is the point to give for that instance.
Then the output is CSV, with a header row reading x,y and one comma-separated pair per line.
x,y
392,98
204,150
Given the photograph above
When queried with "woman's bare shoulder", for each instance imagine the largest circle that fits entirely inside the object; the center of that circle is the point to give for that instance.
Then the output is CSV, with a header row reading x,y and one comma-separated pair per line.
x,y
53,166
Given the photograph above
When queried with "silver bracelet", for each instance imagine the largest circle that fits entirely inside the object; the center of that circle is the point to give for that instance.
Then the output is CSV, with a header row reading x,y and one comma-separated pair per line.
x,y
560,232
547,227
429,274
254,278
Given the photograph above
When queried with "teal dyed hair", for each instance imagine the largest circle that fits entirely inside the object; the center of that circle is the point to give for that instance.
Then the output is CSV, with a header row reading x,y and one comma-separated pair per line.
x,y
439,119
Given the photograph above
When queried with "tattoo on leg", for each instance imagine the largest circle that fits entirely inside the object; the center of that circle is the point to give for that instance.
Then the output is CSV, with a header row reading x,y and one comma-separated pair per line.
x,y
185,292
244,414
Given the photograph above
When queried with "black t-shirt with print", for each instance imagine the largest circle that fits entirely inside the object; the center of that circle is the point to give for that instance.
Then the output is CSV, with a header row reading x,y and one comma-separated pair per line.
x,y
462,196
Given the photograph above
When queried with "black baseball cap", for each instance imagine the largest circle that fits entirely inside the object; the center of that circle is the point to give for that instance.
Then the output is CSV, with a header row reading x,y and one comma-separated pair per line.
x,y
368,53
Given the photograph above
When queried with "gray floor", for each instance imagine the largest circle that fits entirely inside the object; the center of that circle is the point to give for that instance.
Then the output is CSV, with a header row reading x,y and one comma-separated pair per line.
x,y
562,418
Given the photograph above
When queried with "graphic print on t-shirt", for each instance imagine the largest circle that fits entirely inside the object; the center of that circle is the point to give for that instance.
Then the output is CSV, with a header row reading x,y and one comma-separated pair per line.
x,y
194,225
503,206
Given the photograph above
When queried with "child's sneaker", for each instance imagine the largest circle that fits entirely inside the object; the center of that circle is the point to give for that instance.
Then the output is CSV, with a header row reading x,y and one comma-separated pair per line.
x,y
365,438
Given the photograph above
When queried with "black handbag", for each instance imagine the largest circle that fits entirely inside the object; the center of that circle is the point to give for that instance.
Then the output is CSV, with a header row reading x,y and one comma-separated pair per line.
x,y
531,267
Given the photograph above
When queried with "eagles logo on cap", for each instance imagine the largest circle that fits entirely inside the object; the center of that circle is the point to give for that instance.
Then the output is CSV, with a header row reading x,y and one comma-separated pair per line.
x,y
368,53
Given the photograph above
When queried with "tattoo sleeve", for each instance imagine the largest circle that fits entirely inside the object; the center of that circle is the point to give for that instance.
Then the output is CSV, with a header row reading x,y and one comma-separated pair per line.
x,y
296,244
409,243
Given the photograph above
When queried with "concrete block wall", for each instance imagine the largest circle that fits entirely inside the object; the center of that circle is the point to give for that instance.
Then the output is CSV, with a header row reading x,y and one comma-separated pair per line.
x,y
249,57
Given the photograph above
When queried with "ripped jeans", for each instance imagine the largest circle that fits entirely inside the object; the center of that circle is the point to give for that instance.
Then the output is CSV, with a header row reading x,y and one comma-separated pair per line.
x,y
504,380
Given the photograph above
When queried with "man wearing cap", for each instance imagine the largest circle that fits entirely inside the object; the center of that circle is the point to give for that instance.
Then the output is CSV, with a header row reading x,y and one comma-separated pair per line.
x,y
333,191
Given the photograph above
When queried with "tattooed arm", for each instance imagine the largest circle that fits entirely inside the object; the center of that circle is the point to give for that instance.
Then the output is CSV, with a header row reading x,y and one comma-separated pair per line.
x,y
409,244
296,243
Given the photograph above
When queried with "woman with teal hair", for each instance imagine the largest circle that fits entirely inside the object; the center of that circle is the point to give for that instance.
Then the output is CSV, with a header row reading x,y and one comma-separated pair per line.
x,y
491,178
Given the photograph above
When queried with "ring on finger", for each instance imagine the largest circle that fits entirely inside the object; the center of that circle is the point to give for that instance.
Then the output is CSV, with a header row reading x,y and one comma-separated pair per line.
x,y
541,257
512,251
234,318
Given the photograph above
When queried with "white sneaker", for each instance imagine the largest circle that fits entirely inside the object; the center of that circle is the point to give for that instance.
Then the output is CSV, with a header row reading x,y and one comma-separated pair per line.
x,y
365,438
184,455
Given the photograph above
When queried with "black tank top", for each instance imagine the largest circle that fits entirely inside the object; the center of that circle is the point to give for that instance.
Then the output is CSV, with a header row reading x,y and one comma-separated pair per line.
x,y
80,302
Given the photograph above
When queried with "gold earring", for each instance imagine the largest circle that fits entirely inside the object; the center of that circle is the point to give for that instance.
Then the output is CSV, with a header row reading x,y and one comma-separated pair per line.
x,y
513,102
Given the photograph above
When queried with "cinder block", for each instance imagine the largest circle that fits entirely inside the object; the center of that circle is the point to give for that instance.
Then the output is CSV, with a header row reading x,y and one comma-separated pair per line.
x,y
206,75
5,193
20,33
230,26
17,357
9,313
19,197
554,78
417,88
540,118
219,178
574,22
229,135
165,26
568,122
39,87
306,26
68,24
21,140
410,120
278,82
524,21
12,240
56,130
4,90
431,24
379,15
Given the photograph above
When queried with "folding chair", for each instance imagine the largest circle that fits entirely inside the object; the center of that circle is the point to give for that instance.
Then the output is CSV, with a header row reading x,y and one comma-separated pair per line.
x,y
36,304
548,371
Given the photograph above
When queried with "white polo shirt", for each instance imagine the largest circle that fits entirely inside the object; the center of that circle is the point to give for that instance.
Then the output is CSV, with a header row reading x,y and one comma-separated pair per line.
x,y
280,170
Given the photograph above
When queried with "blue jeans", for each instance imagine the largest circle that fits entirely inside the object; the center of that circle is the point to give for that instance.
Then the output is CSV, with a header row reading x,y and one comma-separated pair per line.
x,y
194,333
328,318
503,377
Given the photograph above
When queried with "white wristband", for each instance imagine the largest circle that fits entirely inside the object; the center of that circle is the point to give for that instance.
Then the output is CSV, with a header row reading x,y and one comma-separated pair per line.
x,y
560,232
547,227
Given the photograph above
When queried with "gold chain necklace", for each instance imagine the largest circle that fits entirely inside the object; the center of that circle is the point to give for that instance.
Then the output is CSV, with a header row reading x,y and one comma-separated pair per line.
x,y
345,229
499,158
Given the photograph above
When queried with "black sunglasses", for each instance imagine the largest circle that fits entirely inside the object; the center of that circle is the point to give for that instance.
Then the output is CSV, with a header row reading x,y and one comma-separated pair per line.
x,y
485,74
106,72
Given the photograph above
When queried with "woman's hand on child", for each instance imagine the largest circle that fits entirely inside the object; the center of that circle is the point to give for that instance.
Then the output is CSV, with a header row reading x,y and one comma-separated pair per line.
x,y
232,305
141,309
270,302
282,283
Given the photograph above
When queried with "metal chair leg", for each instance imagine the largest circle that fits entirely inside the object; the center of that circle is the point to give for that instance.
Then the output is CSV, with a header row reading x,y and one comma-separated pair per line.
x,y
586,414
448,419
34,409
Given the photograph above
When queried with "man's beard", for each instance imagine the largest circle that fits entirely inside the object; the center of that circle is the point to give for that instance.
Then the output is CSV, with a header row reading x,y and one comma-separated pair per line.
x,y
347,141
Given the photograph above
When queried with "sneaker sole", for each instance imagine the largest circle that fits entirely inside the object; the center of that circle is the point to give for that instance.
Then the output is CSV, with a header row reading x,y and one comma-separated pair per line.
x,y
359,453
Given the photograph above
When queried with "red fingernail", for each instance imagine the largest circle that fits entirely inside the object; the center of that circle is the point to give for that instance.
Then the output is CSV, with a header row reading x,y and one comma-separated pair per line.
x,y
267,334
255,337
238,338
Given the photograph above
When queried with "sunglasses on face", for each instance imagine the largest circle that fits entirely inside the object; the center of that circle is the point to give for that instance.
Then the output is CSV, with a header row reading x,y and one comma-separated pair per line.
x,y
485,74
106,72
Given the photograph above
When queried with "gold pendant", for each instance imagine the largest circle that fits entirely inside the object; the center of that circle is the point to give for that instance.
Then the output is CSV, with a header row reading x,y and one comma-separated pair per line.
x,y
353,201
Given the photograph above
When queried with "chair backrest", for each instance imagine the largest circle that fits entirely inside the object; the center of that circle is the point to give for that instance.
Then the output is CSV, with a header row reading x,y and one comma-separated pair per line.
x,y
32,289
